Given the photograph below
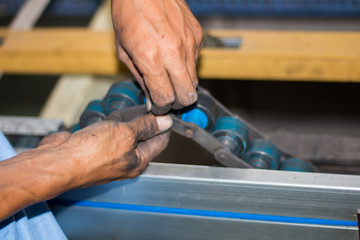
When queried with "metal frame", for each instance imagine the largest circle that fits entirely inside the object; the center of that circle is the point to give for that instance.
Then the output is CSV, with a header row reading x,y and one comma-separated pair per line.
x,y
173,201
194,202
15,125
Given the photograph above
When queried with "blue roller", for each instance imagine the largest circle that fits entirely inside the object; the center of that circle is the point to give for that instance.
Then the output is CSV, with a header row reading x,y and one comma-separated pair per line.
x,y
232,133
196,116
262,154
202,113
122,95
93,113
296,165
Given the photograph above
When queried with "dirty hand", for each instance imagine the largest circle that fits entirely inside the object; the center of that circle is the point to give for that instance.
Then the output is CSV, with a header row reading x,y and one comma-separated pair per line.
x,y
159,41
111,150
99,153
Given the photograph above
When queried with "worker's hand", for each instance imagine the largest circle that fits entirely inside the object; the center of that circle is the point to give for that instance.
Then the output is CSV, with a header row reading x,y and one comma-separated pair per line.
x,y
109,150
159,41
100,153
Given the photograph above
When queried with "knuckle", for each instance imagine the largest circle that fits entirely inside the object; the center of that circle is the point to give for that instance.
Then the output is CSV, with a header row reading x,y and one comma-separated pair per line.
x,y
197,27
200,38
149,125
148,61
198,31
190,40
175,46
188,99
163,100
150,54
145,127
130,135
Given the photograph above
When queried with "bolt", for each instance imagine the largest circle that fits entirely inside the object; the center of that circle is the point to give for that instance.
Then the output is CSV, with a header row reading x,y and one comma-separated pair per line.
x,y
189,133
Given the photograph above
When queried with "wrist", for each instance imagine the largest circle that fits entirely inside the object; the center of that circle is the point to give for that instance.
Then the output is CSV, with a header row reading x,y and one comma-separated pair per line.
x,y
54,173
42,173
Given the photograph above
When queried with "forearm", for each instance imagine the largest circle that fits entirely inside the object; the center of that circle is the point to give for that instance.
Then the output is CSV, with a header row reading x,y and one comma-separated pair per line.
x,y
104,152
29,178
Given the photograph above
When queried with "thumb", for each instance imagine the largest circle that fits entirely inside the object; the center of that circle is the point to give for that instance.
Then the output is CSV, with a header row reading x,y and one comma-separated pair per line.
x,y
147,126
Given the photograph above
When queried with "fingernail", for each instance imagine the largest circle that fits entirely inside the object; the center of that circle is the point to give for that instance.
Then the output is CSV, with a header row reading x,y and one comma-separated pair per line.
x,y
148,104
164,122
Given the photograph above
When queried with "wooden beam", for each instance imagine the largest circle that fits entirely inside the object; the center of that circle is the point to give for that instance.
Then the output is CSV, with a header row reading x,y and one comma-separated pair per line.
x,y
59,51
3,32
273,55
285,55
26,17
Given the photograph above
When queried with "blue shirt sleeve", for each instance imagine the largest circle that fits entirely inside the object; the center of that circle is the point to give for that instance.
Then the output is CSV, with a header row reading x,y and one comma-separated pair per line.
x,y
34,222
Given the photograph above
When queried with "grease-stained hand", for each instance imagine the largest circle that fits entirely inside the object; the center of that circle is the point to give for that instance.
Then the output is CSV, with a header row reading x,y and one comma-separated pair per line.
x,y
99,153
159,41
111,150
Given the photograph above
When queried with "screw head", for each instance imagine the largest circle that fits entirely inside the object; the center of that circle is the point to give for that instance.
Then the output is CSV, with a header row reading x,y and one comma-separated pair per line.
x,y
189,133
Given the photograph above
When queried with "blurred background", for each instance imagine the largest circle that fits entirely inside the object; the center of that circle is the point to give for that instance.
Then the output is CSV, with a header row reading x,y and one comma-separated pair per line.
x,y
290,68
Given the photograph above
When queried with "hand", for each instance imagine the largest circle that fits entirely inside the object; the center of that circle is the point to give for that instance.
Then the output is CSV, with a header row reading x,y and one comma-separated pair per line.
x,y
159,41
111,150
97,154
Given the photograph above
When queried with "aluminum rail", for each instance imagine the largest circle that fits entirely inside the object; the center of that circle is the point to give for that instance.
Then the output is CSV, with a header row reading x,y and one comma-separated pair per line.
x,y
34,126
172,201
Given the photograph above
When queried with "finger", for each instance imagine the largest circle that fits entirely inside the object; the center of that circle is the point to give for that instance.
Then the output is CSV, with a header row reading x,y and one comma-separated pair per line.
x,y
180,78
161,91
149,149
125,58
144,153
55,138
160,110
183,85
148,126
153,80
199,35
146,93
191,63
156,79
191,66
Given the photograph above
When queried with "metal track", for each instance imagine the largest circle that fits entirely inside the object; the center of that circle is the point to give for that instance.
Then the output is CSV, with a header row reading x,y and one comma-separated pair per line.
x,y
193,202
28,125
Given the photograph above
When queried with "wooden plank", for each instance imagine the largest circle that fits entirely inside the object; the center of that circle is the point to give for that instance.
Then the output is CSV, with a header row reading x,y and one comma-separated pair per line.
x,y
3,32
285,55
273,55
26,17
59,51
